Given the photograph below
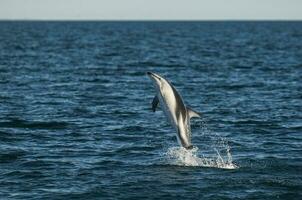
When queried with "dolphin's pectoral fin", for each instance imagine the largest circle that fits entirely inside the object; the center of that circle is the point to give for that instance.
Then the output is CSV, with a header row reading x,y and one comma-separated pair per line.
x,y
192,113
155,103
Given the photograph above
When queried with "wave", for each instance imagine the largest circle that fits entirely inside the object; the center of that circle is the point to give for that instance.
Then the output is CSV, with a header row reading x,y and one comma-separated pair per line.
x,y
19,123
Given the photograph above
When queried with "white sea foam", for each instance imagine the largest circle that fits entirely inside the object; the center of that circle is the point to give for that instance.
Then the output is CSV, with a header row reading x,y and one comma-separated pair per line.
x,y
183,157
219,157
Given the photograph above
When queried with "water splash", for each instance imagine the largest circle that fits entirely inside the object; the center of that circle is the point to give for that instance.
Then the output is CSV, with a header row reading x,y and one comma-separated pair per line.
x,y
215,153
183,157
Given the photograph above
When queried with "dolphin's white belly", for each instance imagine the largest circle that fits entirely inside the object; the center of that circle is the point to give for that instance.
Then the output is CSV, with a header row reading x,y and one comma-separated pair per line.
x,y
168,104
170,114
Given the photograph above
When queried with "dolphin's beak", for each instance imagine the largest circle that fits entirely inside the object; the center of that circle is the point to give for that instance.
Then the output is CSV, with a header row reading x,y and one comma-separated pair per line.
x,y
149,74
153,75
154,78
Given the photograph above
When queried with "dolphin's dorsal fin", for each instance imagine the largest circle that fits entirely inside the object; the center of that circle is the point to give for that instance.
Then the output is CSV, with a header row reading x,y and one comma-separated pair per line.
x,y
155,103
191,113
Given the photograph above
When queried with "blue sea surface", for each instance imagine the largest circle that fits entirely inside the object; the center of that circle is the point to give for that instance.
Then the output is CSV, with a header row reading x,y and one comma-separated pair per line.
x,y
76,119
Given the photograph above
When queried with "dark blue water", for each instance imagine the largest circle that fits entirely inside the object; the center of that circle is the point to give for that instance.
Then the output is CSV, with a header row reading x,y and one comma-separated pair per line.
x,y
76,119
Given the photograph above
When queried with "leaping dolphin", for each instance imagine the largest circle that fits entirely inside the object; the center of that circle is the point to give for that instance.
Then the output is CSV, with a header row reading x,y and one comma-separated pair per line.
x,y
174,108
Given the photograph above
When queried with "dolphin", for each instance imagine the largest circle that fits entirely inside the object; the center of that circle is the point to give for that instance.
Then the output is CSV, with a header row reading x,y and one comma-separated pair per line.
x,y
174,108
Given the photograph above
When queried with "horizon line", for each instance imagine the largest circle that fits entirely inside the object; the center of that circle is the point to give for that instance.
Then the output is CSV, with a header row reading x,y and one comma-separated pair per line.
x,y
155,20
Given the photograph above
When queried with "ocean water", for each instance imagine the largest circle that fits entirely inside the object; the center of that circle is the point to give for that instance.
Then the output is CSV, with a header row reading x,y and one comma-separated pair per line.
x,y
76,119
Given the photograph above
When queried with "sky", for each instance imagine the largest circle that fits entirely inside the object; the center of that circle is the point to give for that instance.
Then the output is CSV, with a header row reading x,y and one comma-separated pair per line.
x,y
151,9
